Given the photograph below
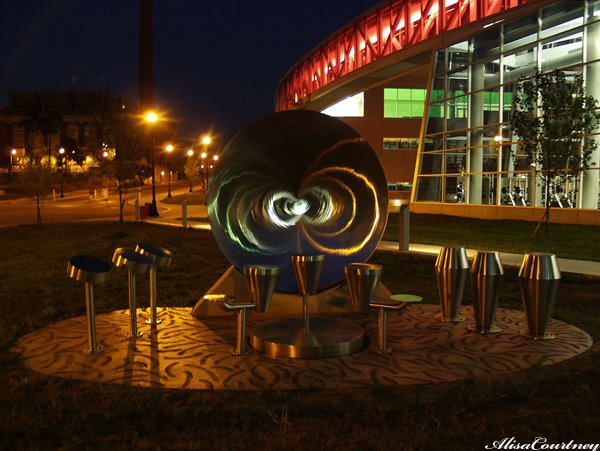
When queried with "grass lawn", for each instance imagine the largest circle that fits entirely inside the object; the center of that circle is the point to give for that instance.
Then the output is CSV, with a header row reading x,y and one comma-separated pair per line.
x,y
579,242
559,402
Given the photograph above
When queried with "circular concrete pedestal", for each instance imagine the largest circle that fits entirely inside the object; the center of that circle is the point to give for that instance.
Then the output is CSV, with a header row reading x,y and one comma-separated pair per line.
x,y
327,337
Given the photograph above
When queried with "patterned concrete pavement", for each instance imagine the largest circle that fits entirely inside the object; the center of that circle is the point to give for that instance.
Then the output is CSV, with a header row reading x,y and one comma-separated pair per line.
x,y
183,352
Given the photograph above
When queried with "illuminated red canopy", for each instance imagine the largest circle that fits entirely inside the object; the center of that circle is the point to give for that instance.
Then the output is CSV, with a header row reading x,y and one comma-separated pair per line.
x,y
388,28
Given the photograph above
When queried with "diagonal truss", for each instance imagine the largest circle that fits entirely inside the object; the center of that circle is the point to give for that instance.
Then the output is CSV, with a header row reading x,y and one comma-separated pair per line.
x,y
385,29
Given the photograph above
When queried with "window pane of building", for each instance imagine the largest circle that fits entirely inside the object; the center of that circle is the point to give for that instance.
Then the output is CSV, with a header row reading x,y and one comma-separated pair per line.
x,y
348,107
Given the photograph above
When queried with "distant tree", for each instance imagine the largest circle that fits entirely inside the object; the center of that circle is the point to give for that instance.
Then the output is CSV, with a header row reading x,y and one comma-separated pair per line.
x,y
121,133
553,118
143,169
39,122
73,152
193,169
36,180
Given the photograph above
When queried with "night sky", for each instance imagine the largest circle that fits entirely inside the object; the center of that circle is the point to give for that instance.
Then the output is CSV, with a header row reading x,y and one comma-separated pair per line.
x,y
216,63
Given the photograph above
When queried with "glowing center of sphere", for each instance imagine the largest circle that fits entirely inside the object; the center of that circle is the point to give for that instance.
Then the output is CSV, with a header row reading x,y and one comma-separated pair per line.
x,y
296,207
284,210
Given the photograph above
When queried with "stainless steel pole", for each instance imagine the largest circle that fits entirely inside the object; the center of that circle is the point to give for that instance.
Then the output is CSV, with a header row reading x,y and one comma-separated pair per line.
x,y
132,305
91,317
241,333
382,337
153,297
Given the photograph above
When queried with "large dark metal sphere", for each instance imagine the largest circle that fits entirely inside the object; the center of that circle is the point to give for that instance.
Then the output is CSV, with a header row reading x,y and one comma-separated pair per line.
x,y
298,182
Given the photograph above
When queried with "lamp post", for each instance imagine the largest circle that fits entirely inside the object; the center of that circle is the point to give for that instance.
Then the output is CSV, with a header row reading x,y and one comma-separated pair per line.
x,y
169,149
203,169
106,170
190,153
206,140
61,151
12,154
151,118
215,159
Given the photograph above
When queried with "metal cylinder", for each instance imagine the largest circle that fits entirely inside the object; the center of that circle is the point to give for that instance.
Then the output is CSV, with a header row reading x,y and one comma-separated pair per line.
x,y
307,269
184,214
362,280
90,270
260,282
240,345
451,268
539,277
382,347
486,275
153,298
134,263
404,227
91,318
133,330
160,257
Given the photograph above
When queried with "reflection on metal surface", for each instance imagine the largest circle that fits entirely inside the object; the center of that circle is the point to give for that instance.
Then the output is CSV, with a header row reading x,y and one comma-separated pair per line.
x,y
161,257
298,182
92,271
451,268
486,275
228,303
307,269
134,263
539,277
260,281
327,337
362,279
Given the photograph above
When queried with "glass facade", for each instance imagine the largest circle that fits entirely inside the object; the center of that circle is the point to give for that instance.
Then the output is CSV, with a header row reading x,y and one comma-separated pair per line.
x,y
469,153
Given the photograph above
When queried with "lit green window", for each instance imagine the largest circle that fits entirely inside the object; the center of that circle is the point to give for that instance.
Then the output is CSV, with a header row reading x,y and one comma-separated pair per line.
x,y
403,103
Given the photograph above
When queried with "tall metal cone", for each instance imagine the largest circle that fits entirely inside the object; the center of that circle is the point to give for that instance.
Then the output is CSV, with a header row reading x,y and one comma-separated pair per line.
x,y
451,269
486,275
308,272
539,277
362,280
260,282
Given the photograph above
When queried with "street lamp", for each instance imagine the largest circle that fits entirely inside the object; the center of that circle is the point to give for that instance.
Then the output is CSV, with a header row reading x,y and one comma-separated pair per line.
x,y
190,153
204,174
169,149
206,140
61,151
215,158
151,118
12,154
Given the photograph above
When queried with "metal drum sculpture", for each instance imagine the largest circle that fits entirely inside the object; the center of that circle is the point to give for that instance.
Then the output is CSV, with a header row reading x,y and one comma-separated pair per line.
x,y
298,182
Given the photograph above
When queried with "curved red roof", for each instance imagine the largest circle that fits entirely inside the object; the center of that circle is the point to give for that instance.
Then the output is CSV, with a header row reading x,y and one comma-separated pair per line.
x,y
388,28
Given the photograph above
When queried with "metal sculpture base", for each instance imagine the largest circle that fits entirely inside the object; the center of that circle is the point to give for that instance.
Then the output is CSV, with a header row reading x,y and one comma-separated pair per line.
x,y
492,330
327,337
547,336
456,319
335,300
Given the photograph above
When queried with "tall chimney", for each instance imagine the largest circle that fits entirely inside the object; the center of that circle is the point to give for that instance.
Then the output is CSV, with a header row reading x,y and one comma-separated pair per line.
x,y
145,79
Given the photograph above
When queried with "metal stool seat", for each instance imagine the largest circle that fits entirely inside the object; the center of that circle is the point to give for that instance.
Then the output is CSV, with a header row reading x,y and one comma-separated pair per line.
x,y
395,302
161,258
260,283
92,271
134,263
383,306
227,302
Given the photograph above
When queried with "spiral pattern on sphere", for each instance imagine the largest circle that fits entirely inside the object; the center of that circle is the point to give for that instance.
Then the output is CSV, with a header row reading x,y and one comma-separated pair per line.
x,y
298,182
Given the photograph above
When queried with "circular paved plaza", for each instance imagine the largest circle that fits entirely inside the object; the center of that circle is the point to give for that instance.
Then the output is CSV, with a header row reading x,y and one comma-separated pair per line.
x,y
186,353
